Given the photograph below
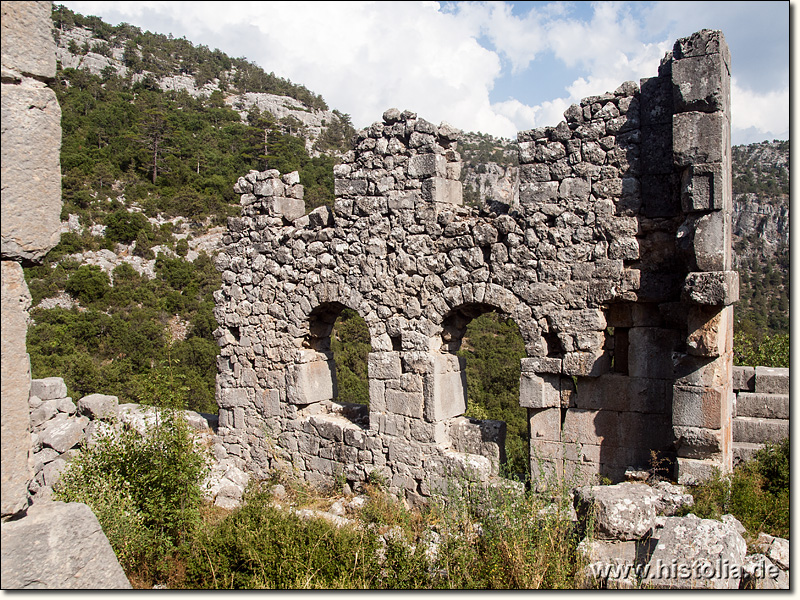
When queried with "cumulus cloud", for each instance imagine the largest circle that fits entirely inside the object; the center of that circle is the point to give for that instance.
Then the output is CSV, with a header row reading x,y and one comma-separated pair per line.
x,y
443,60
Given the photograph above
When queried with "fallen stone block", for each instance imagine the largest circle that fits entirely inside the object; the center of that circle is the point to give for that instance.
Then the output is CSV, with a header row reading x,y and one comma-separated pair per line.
x,y
59,545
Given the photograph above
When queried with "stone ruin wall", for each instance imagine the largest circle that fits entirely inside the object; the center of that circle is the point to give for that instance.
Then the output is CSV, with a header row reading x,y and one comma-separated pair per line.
x,y
615,263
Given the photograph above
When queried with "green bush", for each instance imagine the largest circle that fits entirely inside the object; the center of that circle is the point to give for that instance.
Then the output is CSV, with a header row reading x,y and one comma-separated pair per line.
x,y
145,490
123,226
756,493
88,284
260,546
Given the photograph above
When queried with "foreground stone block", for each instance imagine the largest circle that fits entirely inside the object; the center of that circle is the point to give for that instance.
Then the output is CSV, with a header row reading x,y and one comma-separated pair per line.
x,y
31,172
16,385
696,553
59,546
28,46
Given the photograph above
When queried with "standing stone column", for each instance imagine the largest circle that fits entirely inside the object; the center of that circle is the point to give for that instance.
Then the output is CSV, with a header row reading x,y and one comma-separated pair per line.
x,y
31,210
702,395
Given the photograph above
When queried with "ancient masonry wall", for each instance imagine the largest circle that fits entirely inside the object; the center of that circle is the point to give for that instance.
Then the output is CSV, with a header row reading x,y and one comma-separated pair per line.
x,y
31,210
761,409
615,263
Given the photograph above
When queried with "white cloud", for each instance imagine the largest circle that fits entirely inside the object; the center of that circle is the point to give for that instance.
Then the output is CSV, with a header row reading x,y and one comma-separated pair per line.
x,y
757,116
443,61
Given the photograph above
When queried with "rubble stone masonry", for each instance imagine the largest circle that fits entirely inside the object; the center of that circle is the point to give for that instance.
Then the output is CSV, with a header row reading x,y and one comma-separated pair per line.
x,y
614,261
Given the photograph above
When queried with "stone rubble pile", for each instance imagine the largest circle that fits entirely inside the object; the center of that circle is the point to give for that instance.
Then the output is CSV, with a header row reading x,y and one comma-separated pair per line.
x,y
634,540
60,428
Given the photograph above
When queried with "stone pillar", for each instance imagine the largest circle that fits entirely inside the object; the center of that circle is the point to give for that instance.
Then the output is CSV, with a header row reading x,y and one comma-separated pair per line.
x,y
31,210
702,394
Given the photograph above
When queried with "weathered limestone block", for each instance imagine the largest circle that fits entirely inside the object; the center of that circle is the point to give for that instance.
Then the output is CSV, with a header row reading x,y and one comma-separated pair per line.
x,y
31,172
599,554
49,388
744,378
702,43
446,388
715,288
650,352
764,406
772,380
759,431
446,191
314,382
61,434
710,331
701,83
28,47
698,406
99,406
59,545
16,385
704,188
699,138
409,404
697,442
384,365
626,511
427,165
537,391
545,424
699,549
290,209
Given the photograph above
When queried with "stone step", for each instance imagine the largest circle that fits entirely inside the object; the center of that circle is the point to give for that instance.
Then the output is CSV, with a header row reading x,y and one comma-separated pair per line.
x,y
772,380
759,431
764,406
743,451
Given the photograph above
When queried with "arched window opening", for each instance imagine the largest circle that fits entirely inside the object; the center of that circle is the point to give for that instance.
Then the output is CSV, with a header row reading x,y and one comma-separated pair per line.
x,y
492,346
342,337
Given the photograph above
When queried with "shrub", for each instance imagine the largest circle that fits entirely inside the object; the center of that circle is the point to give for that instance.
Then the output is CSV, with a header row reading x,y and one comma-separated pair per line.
x,y
145,490
756,493
123,226
88,284
259,546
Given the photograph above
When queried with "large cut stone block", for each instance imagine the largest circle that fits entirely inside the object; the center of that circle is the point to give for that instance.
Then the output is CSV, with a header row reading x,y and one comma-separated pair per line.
x,y
384,365
28,46
446,191
710,331
702,43
699,406
59,546
314,382
699,137
545,424
445,388
694,553
712,288
539,391
759,431
701,83
764,406
704,188
427,165
16,385
409,404
650,352
697,442
49,388
772,380
31,172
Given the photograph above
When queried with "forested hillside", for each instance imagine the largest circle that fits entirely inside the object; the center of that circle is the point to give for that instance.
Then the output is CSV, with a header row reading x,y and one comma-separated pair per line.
x,y
155,133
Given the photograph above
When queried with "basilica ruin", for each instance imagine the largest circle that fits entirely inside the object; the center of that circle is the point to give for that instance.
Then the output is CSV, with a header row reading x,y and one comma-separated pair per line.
x,y
614,260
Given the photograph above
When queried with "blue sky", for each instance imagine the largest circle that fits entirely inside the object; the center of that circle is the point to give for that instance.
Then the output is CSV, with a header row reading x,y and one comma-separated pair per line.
x,y
496,67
